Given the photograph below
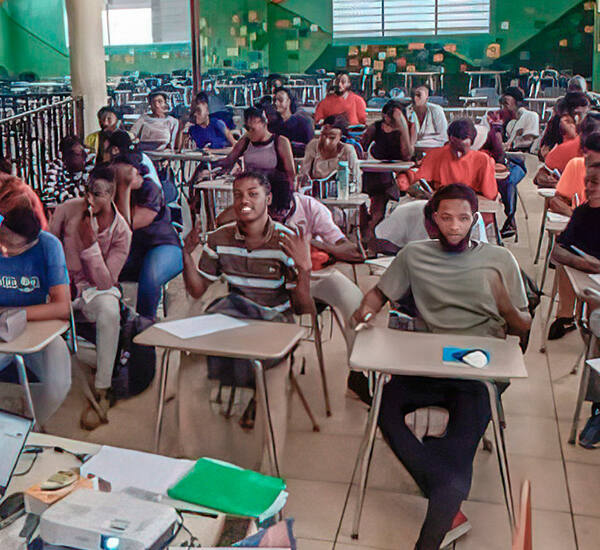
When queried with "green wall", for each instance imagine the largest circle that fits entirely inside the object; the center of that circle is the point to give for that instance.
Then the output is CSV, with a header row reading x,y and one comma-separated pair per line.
x,y
32,37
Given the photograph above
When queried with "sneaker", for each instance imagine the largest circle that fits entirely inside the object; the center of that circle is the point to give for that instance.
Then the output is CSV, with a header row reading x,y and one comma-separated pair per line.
x,y
460,526
560,327
589,437
509,229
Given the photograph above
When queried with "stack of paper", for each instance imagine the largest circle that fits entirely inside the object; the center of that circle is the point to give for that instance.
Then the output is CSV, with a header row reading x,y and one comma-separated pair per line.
x,y
230,489
200,325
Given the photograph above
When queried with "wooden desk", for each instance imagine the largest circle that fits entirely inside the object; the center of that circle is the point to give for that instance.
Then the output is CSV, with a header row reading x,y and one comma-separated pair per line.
x,y
207,530
374,165
257,342
387,352
36,337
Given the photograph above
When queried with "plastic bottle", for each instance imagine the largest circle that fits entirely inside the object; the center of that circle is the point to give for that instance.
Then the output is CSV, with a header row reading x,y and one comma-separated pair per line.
x,y
343,180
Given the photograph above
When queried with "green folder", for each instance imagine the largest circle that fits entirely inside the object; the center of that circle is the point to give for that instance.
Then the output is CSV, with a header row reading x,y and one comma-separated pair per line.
x,y
230,489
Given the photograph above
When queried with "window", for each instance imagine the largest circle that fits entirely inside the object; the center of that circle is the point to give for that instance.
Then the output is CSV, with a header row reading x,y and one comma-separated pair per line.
x,y
364,18
127,26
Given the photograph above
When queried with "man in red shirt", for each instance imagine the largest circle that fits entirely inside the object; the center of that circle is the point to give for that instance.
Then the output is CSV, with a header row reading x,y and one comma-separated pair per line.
x,y
456,162
342,101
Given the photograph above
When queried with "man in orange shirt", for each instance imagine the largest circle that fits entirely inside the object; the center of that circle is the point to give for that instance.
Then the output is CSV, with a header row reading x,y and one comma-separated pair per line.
x,y
343,101
570,190
456,162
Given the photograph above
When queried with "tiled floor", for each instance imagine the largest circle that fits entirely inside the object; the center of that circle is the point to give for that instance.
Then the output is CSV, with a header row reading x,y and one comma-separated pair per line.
x,y
318,466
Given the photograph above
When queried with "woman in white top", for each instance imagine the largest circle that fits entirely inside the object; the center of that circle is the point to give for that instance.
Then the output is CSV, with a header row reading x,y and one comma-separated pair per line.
x,y
428,119
156,131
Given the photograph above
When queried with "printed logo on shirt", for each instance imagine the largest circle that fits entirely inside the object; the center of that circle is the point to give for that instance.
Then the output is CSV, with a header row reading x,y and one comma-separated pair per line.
x,y
23,284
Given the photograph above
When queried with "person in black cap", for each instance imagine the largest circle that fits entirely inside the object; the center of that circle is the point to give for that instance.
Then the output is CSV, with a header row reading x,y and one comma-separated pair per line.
x,y
522,126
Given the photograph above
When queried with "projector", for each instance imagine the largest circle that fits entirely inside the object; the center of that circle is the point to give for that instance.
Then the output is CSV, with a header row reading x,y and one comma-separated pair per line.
x,y
91,520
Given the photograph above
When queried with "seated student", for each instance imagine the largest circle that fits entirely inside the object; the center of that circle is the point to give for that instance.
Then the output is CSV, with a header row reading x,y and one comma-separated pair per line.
x,y
155,255
456,161
261,150
108,120
119,143
253,255
408,222
583,232
459,286
314,219
10,185
570,190
342,101
388,139
580,232
522,126
207,131
290,122
428,119
96,240
323,154
158,130
34,278
66,176
562,154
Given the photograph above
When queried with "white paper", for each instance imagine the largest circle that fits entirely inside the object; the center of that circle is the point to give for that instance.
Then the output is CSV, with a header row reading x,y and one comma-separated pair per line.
x,y
595,277
200,325
594,364
125,468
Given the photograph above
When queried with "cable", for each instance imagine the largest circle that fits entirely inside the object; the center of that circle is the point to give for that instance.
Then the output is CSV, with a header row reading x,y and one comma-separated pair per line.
x,y
37,453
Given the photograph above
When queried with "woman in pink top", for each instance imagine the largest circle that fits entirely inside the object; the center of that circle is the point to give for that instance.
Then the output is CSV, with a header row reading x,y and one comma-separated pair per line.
x,y
96,239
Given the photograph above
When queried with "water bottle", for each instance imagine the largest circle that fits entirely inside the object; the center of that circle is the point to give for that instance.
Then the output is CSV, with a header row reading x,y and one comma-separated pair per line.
x,y
343,180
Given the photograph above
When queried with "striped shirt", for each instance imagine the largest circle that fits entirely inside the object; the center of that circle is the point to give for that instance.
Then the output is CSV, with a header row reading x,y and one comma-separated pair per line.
x,y
262,275
62,185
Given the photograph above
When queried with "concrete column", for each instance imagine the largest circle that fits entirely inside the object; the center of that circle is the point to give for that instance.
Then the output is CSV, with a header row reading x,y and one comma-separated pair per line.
x,y
88,71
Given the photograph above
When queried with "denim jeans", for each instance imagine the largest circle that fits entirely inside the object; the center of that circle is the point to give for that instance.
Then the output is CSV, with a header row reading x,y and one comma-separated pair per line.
x,y
508,189
151,268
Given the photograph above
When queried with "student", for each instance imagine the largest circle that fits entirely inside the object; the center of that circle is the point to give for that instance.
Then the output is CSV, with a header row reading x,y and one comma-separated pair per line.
x,y
207,131
342,101
323,154
295,125
66,176
522,126
582,232
156,131
253,255
108,120
459,286
96,240
10,185
155,255
261,150
572,182
386,139
428,119
457,162
561,155
34,278
306,214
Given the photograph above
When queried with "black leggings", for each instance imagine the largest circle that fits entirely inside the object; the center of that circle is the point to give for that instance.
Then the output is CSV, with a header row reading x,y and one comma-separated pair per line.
x,y
442,467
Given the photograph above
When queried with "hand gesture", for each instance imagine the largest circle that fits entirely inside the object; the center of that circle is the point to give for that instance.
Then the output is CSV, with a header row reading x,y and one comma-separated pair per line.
x,y
86,231
192,239
297,247
362,315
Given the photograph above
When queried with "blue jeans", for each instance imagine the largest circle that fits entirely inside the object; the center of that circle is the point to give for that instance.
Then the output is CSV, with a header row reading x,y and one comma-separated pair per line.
x,y
508,189
151,268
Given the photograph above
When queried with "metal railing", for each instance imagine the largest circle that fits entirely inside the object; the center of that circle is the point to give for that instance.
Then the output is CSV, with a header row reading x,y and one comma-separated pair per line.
x,y
15,104
31,139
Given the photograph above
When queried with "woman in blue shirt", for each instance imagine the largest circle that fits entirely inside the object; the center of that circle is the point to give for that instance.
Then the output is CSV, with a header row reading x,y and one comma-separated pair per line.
x,y
33,276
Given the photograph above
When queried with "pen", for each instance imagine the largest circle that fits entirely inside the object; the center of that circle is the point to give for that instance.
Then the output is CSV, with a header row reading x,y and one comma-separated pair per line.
x,y
576,199
364,322
577,251
424,185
